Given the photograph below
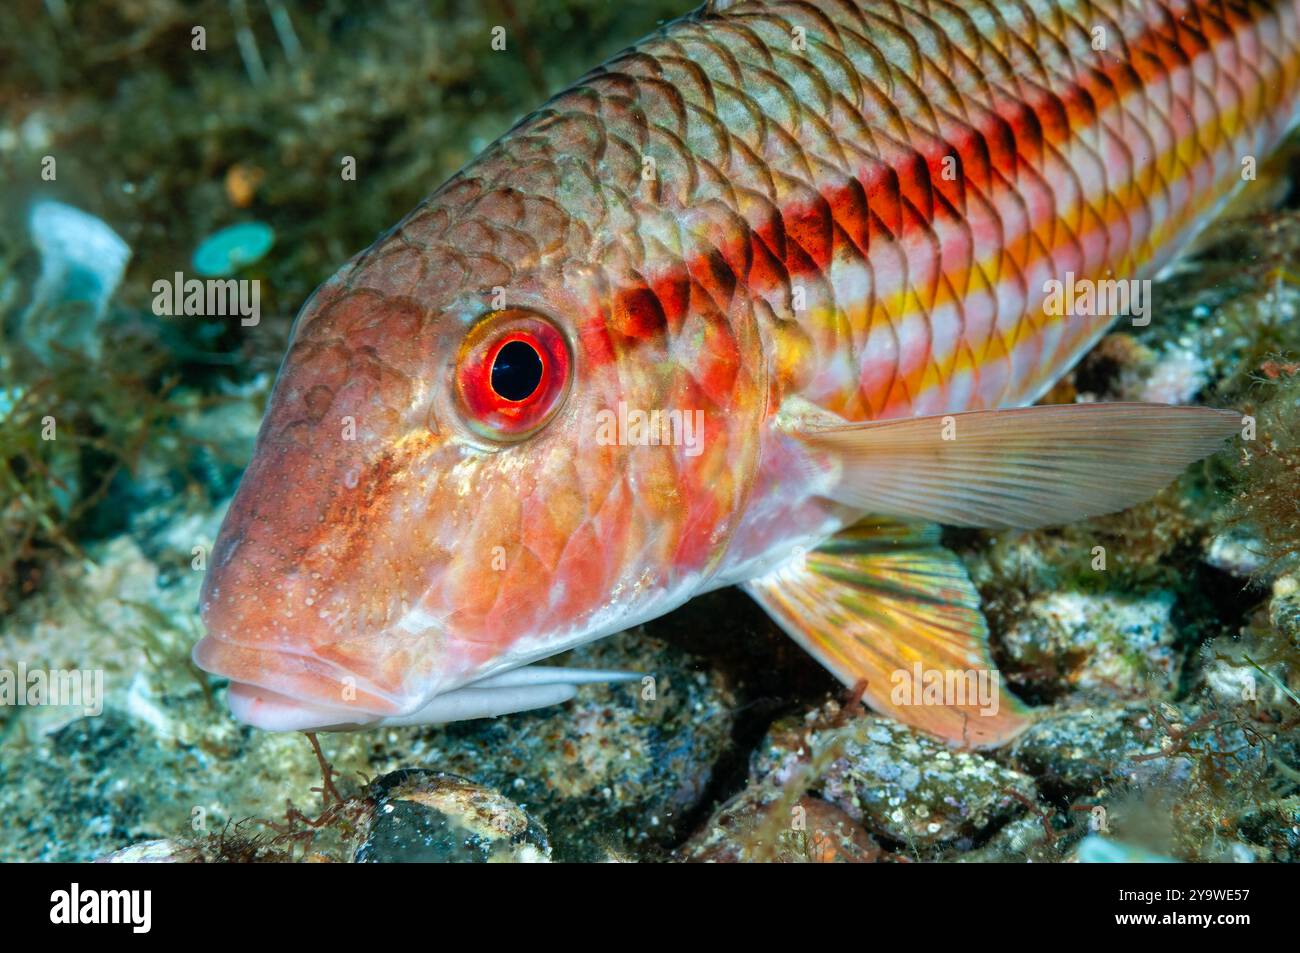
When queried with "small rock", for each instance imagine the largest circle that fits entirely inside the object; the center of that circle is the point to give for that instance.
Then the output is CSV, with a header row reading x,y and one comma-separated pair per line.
x,y
1237,553
1275,826
1178,375
898,783
161,851
1252,668
1230,680
1284,609
757,826
1023,840
1100,647
430,817
1083,749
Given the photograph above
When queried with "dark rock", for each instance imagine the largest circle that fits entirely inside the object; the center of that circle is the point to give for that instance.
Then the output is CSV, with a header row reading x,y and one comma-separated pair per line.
x,y
618,767
1080,750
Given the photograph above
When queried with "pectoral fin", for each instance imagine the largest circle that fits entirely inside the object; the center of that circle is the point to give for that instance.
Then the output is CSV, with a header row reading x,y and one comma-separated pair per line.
x,y
1026,467
883,603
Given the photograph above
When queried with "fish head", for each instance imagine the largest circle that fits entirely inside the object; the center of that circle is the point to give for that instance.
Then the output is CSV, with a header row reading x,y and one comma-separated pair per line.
x,y
447,484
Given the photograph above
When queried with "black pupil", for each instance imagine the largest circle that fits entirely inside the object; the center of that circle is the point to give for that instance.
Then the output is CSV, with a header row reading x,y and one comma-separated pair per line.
x,y
517,370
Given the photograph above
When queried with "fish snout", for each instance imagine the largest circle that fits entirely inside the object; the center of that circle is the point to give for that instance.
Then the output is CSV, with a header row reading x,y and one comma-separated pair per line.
x,y
270,631
296,615
280,690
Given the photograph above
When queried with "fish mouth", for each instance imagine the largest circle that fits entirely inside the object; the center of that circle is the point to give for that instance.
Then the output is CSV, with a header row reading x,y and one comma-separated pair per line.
x,y
277,689
280,691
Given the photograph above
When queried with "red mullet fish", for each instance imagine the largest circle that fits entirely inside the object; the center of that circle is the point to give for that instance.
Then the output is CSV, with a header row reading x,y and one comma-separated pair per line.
x,y
758,302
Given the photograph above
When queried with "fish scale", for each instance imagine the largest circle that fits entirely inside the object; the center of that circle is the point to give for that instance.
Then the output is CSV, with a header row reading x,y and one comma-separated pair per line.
x,y
822,171
792,217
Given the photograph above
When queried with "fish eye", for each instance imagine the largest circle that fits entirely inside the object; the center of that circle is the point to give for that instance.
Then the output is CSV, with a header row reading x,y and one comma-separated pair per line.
x,y
517,370
512,374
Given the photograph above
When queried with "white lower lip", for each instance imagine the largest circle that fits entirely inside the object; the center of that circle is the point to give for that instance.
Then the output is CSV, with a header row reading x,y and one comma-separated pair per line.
x,y
265,709
520,689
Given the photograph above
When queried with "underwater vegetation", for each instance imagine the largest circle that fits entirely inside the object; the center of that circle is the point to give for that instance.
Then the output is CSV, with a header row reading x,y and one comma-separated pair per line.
x,y
1169,679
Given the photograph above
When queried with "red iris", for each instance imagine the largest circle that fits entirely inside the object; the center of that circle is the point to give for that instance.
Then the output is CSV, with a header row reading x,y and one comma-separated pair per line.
x,y
513,371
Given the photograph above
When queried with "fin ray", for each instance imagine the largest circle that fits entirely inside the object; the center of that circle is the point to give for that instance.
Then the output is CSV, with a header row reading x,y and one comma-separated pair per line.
x,y
1024,468
876,600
